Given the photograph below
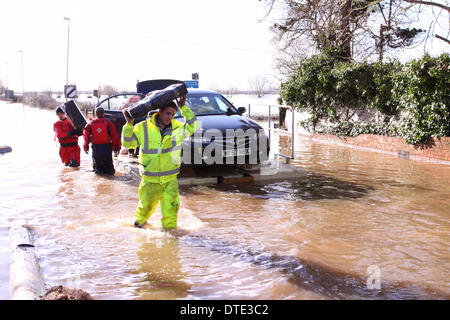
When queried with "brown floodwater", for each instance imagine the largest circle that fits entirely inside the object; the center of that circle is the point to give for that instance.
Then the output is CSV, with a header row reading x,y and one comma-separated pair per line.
x,y
316,237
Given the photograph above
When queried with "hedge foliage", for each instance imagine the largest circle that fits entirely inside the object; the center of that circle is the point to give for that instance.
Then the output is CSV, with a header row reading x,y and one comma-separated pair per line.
x,y
413,99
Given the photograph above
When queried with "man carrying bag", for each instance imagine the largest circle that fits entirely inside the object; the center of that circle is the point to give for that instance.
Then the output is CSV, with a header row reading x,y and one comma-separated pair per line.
x,y
160,139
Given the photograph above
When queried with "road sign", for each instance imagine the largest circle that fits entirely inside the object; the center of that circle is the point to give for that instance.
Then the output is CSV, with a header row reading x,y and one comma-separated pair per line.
x,y
70,91
195,76
191,83
9,94
95,93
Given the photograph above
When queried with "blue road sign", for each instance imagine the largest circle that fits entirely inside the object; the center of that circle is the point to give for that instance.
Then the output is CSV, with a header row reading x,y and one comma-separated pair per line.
x,y
191,83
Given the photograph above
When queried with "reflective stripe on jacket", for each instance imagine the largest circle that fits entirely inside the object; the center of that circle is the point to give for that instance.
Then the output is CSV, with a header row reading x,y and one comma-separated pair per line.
x,y
160,156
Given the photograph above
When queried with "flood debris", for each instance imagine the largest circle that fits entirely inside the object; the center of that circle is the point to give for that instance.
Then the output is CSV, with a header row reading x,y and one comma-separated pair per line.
x,y
5,149
25,279
64,293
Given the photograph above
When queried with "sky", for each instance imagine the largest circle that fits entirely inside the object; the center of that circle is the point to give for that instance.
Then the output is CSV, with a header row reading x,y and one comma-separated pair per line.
x,y
120,42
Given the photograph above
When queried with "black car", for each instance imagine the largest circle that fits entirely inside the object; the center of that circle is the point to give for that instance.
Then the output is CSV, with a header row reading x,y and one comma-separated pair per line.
x,y
226,136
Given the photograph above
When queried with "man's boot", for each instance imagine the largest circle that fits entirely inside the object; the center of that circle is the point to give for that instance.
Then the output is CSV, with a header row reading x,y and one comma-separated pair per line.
x,y
73,163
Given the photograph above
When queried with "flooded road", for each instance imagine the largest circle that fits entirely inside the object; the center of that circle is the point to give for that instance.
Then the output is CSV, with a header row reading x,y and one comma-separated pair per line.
x,y
314,238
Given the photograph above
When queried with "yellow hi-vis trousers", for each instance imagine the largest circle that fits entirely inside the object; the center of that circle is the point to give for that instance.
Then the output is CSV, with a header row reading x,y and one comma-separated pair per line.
x,y
149,196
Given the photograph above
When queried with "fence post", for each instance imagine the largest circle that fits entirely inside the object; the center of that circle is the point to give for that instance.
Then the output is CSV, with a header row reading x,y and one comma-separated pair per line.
x,y
293,135
270,129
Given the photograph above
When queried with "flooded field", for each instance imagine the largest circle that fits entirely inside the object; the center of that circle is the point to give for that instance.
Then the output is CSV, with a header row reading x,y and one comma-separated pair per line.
x,y
318,237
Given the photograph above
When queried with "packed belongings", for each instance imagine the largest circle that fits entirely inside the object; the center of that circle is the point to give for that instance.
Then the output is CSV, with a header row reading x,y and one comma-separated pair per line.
x,y
74,115
156,99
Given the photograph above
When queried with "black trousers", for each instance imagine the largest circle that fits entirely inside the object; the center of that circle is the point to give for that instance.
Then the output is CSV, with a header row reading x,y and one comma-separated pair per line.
x,y
102,159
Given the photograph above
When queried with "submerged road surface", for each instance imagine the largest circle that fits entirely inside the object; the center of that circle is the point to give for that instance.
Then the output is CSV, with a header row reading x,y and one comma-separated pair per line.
x,y
357,220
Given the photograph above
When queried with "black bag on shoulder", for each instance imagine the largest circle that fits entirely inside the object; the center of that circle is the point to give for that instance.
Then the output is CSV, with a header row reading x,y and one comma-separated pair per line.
x,y
157,99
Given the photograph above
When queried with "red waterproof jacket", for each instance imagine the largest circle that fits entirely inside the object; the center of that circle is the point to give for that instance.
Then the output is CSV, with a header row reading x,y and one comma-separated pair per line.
x,y
101,131
62,128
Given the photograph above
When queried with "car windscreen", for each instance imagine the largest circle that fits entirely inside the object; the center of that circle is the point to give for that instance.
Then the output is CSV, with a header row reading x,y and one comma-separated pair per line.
x,y
209,104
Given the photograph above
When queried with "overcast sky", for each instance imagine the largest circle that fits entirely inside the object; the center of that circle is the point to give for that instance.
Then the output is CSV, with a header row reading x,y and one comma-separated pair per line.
x,y
120,42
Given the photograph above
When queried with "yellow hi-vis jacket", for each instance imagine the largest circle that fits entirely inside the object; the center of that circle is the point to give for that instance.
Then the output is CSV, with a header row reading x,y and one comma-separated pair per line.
x,y
160,156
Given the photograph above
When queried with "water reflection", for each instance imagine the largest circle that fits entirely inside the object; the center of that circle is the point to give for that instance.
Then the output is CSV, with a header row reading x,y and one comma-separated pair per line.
x,y
160,271
311,187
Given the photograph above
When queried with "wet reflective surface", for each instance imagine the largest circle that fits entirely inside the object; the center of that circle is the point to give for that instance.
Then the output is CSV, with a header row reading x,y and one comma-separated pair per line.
x,y
311,238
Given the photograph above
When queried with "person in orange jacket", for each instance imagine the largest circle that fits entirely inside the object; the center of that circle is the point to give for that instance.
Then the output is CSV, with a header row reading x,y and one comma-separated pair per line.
x,y
67,135
104,138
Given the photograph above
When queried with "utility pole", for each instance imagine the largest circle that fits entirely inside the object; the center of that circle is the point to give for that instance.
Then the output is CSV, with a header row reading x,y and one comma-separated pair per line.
x,y
7,75
23,87
67,66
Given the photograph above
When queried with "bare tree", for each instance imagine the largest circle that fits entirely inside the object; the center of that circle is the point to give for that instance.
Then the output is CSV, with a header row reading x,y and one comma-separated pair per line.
x,y
288,57
322,24
444,5
358,29
259,85
107,89
229,90
393,15
2,87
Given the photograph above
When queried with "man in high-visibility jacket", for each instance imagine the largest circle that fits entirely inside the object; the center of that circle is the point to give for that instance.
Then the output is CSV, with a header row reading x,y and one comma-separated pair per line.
x,y
104,138
67,135
160,141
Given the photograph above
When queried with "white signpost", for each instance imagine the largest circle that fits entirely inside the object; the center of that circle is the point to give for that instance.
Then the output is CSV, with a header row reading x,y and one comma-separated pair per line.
x,y
70,91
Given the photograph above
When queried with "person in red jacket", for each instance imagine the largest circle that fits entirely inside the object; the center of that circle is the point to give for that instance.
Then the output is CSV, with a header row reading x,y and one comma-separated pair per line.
x,y
68,138
104,138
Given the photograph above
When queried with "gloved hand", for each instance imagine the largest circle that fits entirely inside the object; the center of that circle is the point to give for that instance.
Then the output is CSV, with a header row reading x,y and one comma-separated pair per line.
x,y
127,116
181,101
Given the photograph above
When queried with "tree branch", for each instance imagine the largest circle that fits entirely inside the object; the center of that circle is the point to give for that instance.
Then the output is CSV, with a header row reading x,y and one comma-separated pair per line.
x,y
429,3
442,38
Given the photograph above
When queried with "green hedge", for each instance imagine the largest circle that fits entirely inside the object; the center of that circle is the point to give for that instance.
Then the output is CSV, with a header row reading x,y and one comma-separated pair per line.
x,y
423,91
413,98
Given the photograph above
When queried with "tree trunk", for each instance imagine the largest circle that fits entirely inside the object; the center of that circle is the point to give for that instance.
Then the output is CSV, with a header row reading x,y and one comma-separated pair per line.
x,y
346,34
381,45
